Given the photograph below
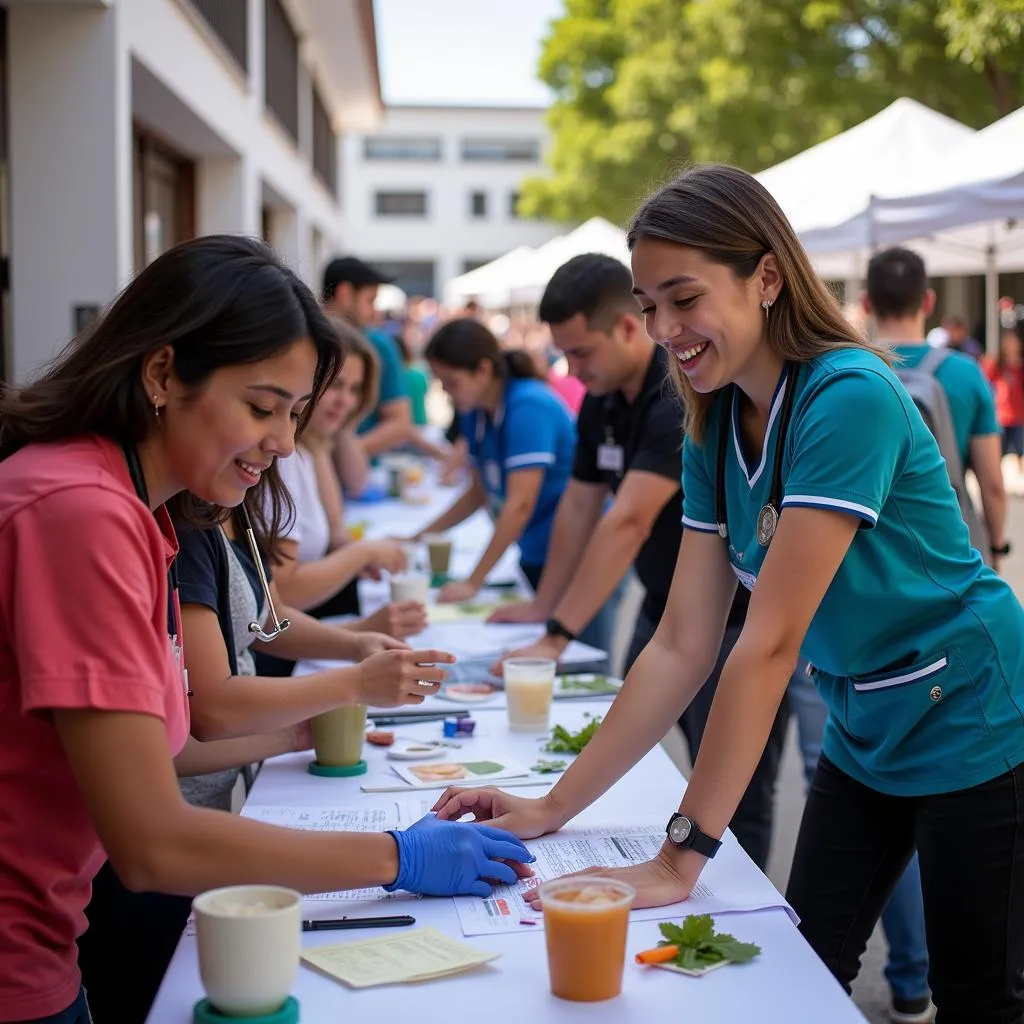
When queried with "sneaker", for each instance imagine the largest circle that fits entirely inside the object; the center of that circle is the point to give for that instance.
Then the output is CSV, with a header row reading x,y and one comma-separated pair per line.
x,y
911,1011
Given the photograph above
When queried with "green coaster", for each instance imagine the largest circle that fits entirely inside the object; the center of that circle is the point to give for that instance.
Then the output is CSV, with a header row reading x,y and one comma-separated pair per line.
x,y
205,1013
439,579
337,771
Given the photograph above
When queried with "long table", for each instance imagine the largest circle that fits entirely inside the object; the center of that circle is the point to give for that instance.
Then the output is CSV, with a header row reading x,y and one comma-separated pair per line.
x,y
786,984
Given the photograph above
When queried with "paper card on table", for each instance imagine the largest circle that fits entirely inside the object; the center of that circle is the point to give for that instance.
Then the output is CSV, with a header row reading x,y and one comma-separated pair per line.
x,y
731,882
697,972
419,955
442,773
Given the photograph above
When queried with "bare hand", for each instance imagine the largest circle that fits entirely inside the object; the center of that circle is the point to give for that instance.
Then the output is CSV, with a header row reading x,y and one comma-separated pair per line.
x,y
520,611
401,677
522,816
399,619
368,644
382,554
300,737
457,590
656,881
547,647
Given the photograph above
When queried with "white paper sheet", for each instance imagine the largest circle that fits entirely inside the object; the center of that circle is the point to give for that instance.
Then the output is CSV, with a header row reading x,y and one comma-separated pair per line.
x,y
729,883
399,814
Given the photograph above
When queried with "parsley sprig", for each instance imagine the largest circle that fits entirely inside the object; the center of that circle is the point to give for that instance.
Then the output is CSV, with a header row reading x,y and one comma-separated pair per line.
x,y
563,741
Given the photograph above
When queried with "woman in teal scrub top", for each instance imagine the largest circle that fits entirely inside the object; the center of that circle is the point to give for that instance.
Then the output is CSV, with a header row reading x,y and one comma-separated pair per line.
x,y
811,478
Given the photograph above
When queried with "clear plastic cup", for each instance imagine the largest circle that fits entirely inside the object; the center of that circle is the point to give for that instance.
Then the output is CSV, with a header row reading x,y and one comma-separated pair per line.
x,y
529,688
585,923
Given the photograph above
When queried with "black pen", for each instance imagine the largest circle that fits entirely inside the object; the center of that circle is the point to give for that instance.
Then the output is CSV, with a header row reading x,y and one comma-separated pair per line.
x,y
358,922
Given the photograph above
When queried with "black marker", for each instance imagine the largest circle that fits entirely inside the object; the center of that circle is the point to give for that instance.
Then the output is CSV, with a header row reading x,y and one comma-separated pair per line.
x,y
358,922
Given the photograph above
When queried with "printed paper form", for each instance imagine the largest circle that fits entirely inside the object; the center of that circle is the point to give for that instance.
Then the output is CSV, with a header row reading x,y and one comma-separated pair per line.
x,y
398,814
411,956
730,882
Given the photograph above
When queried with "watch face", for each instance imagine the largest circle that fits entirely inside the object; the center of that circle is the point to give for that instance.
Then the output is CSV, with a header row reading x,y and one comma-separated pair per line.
x,y
679,830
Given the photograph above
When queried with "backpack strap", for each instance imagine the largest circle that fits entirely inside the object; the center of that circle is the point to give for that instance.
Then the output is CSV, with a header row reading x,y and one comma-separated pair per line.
x,y
933,359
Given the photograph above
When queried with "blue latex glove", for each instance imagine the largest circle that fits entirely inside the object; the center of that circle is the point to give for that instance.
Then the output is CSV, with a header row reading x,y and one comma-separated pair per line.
x,y
450,858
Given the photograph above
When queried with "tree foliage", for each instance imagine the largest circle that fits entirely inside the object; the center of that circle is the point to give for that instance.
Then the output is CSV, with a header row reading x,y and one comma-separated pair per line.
x,y
645,86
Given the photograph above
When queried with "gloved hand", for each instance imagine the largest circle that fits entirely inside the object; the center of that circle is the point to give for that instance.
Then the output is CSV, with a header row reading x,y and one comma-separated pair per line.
x,y
449,858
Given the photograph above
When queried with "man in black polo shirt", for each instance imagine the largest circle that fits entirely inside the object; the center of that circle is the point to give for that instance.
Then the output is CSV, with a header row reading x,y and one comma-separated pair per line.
x,y
629,441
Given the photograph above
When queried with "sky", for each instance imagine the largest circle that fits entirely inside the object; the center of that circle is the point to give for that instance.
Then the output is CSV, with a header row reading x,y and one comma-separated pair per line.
x,y
463,51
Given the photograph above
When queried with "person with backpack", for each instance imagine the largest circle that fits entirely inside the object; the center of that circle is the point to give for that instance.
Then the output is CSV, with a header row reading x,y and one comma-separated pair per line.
x,y
948,387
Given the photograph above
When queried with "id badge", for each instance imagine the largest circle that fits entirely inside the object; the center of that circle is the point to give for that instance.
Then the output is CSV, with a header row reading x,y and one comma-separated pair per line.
x,y
610,457
179,662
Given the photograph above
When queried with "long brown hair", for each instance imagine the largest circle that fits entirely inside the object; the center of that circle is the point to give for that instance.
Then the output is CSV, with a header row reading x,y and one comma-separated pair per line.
x,y
730,218
464,343
217,301
355,346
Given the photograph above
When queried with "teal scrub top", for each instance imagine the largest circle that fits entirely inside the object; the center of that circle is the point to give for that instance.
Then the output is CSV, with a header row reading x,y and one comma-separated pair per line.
x,y
392,372
917,647
971,403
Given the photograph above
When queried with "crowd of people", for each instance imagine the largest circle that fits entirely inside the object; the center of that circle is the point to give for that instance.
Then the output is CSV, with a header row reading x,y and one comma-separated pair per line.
x,y
788,490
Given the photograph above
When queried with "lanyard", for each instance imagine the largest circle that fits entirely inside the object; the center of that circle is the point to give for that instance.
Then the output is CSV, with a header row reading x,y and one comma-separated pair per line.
x,y
768,517
176,637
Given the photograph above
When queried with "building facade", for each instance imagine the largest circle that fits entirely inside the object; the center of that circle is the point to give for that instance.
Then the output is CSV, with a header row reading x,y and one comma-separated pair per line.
x,y
131,125
432,191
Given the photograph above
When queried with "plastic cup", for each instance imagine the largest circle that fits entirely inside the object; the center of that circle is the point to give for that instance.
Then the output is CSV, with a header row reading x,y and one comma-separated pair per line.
x,y
338,736
529,688
410,586
250,940
439,553
585,922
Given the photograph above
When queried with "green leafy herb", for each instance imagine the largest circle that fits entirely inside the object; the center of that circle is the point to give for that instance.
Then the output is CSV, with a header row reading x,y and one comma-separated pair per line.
x,y
563,741
543,767
586,683
700,946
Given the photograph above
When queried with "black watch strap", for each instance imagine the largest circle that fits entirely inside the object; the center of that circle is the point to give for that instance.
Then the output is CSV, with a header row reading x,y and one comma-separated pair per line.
x,y
1001,551
695,839
554,628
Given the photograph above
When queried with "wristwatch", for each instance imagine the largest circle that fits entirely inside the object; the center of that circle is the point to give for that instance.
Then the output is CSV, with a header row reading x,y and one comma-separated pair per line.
x,y
685,833
1001,551
554,628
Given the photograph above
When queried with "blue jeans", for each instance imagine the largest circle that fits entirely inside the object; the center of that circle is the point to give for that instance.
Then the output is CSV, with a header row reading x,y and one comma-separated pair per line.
x,y
76,1013
903,916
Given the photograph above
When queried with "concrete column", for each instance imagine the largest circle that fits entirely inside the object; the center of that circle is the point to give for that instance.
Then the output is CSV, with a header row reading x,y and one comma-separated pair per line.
x,y
70,144
228,196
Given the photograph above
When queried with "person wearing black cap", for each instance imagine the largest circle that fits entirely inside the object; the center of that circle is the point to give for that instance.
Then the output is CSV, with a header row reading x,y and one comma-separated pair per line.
x,y
350,288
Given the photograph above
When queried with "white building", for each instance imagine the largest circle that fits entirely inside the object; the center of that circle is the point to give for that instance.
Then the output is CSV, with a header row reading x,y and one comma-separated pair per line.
x,y
431,192
130,125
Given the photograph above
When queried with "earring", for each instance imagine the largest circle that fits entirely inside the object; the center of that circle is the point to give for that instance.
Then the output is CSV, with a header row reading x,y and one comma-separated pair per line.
x,y
156,409
766,305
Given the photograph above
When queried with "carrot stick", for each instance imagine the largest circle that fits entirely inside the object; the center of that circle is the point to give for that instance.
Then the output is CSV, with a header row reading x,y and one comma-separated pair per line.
x,y
660,955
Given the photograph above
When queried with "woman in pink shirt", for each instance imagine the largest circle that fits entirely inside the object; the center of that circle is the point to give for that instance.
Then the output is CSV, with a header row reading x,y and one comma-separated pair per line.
x,y
184,394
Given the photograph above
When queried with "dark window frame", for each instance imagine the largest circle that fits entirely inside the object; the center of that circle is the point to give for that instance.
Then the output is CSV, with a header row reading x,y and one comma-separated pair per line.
x,y
478,210
281,67
501,151
325,145
381,197
371,142
229,22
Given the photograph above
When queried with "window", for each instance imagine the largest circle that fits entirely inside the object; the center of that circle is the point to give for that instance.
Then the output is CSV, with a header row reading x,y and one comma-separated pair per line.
x,y
400,204
478,204
414,277
325,145
229,20
471,265
382,148
281,85
513,205
501,150
163,187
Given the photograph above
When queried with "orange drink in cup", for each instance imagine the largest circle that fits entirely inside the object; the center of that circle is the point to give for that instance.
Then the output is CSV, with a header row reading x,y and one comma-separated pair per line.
x,y
585,921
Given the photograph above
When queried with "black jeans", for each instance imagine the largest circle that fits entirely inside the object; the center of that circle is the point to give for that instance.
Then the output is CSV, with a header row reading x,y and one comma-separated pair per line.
x,y
127,947
852,848
752,822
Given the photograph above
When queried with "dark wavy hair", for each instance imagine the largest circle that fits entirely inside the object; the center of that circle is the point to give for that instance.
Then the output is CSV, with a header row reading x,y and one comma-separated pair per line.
x,y
465,343
217,301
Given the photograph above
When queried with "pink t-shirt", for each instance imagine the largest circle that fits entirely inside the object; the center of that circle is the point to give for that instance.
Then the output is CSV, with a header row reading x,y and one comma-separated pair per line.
x,y
83,624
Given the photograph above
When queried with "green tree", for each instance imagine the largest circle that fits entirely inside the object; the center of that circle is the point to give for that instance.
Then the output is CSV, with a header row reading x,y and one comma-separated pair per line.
x,y
645,86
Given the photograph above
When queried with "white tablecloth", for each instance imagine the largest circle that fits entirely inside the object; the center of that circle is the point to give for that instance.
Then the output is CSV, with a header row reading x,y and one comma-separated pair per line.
x,y
787,984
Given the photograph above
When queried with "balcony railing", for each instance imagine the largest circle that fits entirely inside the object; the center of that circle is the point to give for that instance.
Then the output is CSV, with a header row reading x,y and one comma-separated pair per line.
x,y
229,20
325,145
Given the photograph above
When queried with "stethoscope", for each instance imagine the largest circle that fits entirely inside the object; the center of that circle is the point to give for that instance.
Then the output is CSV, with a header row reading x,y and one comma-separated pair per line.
x,y
768,517
280,625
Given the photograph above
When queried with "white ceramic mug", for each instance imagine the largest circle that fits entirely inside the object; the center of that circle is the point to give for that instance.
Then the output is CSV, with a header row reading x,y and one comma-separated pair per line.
x,y
250,941
410,586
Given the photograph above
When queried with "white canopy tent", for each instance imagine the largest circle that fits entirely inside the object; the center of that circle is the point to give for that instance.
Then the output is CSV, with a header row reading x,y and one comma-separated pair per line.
x,y
964,214
520,276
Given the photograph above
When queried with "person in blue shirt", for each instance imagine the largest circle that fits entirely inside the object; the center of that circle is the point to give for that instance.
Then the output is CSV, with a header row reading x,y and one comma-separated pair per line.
x,y
521,445
811,477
